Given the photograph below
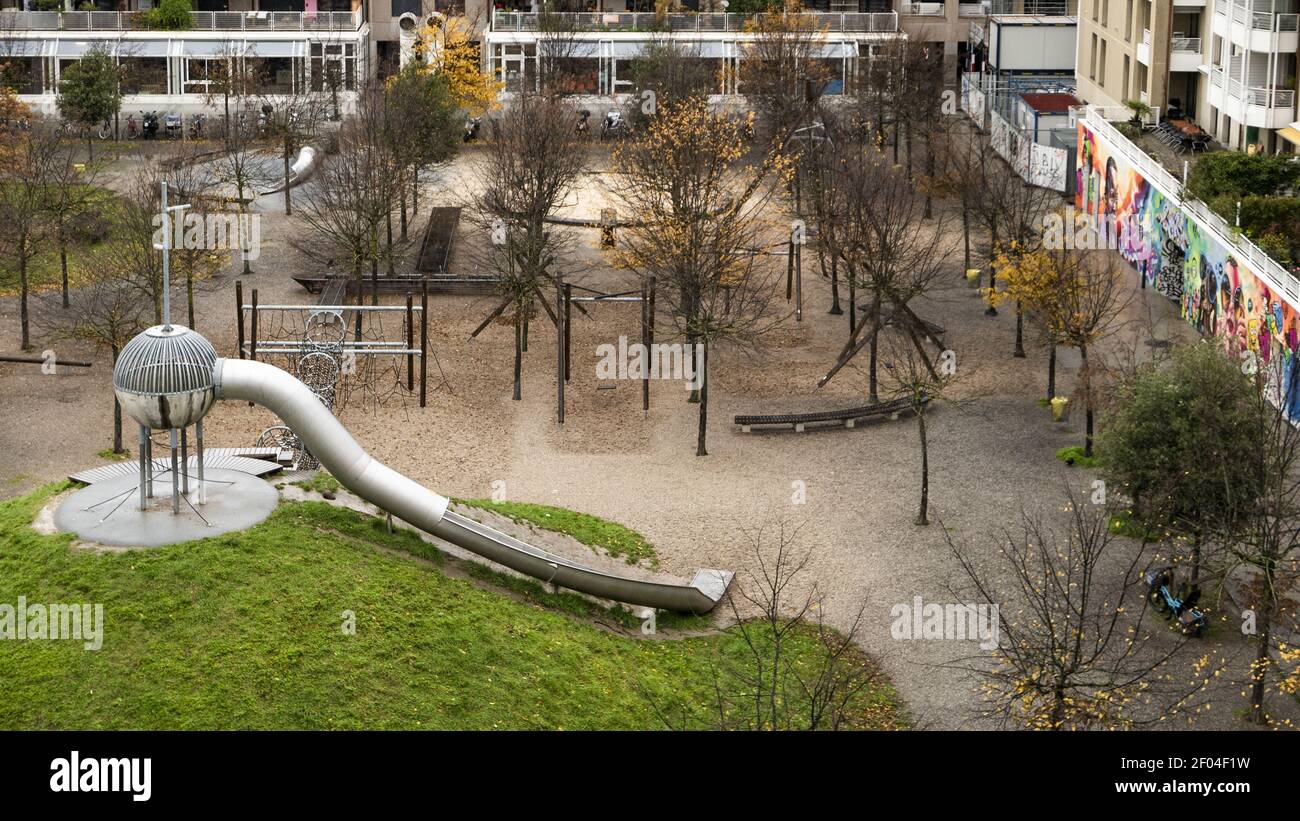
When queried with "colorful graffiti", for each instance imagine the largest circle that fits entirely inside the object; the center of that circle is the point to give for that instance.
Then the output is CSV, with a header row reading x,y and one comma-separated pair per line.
x,y
1216,293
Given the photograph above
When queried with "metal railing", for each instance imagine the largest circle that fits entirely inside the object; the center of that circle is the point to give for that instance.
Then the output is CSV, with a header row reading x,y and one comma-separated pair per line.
x,y
1036,8
1185,45
1277,278
1264,96
199,21
975,9
886,22
1262,20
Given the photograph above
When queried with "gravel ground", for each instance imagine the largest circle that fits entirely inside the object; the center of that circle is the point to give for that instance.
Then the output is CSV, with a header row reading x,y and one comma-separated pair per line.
x,y
990,458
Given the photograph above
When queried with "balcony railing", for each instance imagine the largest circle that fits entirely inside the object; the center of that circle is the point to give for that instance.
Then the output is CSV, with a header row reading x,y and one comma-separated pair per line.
x,y
1185,45
199,21
975,9
1261,20
1283,98
1036,8
702,22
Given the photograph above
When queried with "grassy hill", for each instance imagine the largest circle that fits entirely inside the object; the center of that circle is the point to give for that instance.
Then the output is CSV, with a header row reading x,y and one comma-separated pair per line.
x,y
245,630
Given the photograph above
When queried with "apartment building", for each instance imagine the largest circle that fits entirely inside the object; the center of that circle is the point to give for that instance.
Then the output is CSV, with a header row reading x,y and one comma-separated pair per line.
x,y
1228,64
1249,95
288,45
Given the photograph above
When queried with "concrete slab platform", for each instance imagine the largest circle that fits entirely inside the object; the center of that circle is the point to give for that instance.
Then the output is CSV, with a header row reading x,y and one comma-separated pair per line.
x,y
108,512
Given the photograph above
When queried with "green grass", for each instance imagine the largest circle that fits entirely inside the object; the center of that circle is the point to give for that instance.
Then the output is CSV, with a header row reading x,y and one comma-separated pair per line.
x,y
322,482
244,630
1073,456
589,530
108,454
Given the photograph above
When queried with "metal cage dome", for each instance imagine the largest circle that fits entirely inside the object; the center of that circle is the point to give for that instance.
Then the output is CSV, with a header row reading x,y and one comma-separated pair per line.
x,y
164,377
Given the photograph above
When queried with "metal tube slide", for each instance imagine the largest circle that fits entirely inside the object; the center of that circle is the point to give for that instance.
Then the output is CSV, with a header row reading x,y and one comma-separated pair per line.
x,y
327,439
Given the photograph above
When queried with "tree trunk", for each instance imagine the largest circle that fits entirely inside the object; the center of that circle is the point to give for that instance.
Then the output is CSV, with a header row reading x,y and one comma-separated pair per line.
x,y
965,234
1051,370
374,266
1087,401
402,220
288,202
357,272
1259,669
388,224
873,377
63,263
519,351
835,286
117,415
703,377
23,319
922,516
1019,352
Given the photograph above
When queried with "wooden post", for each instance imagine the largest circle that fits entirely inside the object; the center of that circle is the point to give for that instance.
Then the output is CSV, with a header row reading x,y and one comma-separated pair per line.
x,y
239,313
424,339
561,335
252,347
410,341
568,339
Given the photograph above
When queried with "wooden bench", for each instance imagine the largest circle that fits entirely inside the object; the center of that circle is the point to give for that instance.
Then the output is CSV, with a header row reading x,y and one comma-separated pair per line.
x,y
846,416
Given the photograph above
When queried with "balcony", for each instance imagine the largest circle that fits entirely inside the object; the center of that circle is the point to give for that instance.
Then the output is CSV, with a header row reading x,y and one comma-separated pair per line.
x,y
703,23
1256,30
1144,48
1258,107
975,9
1185,54
14,21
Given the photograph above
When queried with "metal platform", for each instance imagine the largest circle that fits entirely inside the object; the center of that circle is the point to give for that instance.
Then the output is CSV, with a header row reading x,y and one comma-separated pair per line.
x,y
253,461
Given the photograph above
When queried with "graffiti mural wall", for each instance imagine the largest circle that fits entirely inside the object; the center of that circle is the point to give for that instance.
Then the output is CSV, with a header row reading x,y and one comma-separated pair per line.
x,y
1215,292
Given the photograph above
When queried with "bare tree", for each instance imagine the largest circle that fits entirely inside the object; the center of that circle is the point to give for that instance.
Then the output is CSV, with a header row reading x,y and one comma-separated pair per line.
x,y
696,209
107,310
1073,651
887,248
1259,541
71,192
348,199
527,171
793,671
24,206
1089,300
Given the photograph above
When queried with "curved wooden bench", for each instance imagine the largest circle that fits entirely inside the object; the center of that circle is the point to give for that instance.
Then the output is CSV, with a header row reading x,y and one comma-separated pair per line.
x,y
847,416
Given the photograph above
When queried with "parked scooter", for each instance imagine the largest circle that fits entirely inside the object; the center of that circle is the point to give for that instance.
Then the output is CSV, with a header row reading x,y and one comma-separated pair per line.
x,y
583,116
196,127
172,126
614,124
150,128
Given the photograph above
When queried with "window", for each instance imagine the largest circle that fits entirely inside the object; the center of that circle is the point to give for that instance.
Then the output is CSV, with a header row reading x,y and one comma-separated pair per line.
x,y
1105,11
1124,88
1128,22
1092,60
1101,71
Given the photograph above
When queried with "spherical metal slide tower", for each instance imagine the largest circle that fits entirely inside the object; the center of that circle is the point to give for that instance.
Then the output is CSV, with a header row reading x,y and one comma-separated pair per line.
x,y
164,381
